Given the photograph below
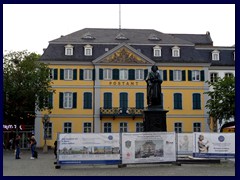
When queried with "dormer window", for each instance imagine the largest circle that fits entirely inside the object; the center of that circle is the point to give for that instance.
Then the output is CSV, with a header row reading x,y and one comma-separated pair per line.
x,y
121,36
215,55
88,36
157,51
68,50
175,51
88,50
153,37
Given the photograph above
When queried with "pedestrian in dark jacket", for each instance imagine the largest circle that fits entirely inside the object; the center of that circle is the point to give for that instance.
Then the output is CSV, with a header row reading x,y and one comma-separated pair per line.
x,y
55,149
33,144
17,145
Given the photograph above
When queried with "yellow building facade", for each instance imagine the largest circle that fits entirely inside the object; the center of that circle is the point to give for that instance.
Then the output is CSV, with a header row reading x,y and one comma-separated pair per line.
x,y
108,93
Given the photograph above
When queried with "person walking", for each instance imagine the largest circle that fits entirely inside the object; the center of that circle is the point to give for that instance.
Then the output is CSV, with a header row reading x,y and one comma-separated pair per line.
x,y
33,144
17,146
55,149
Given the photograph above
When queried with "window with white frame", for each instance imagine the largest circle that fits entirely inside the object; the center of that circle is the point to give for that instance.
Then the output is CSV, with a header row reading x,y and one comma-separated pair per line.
x,y
67,127
175,51
123,127
107,127
213,77
88,50
139,127
107,74
177,75
157,51
68,74
196,127
195,75
68,50
215,55
87,74
178,127
228,74
51,74
139,74
87,127
49,130
67,100
123,74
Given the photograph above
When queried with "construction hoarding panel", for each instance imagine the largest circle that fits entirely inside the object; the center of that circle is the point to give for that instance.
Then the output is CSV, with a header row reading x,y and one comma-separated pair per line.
x,y
214,145
148,147
97,148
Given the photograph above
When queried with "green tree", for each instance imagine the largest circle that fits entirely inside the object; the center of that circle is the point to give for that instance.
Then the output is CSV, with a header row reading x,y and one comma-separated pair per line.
x,y
221,104
27,87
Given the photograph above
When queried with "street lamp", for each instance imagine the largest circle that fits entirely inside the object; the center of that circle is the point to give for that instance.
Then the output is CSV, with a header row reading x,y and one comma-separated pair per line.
x,y
45,121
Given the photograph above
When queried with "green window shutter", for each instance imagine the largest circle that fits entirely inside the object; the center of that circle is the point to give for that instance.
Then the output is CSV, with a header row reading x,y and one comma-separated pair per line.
x,y
50,102
107,100
145,73
87,100
74,100
81,74
196,101
100,74
202,75
55,74
74,74
115,74
171,75
93,74
61,74
189,75
139,100
177,101
183,75
131,74
124,101
165,75
60,100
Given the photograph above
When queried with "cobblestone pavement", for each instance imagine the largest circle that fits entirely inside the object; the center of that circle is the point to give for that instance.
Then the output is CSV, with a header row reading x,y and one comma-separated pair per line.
x,y
44,166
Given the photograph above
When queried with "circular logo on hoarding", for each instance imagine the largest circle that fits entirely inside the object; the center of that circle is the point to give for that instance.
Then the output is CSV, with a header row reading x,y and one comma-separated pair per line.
x,y
110,137
221,138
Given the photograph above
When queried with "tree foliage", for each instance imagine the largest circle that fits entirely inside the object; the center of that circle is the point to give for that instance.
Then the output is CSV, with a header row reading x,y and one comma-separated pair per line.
x,y
221,104
26,87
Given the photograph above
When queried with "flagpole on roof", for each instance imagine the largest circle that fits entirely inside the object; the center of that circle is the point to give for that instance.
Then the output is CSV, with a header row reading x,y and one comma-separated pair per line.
x,y
119,16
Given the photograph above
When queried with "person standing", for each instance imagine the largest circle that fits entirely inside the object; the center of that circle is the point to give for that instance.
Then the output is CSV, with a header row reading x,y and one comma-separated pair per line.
x,y
33,144
17,146
55,149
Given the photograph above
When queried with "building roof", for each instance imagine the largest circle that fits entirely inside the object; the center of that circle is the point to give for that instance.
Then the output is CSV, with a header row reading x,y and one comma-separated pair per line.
x,y
116,36
197,39
194,48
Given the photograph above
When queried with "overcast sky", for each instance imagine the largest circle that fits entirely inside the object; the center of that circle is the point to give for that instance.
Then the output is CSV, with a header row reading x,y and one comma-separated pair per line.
x,y
32,26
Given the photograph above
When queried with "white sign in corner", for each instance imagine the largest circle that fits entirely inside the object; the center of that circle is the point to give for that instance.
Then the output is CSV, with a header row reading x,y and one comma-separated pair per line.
x,y
148,147
214,145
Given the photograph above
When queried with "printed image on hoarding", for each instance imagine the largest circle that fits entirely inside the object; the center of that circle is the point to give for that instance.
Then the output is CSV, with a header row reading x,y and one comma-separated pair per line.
x,y
148,149
214,145
89,148
185,143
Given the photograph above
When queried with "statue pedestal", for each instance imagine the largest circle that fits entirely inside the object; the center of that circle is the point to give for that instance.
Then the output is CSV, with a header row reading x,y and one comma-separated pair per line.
x,y
154,119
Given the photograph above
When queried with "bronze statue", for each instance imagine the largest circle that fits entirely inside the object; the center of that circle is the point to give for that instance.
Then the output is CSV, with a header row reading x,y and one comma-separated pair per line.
x,y
154,82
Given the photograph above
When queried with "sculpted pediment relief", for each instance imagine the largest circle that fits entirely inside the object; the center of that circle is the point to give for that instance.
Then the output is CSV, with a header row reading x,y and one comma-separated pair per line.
x,y
123,55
